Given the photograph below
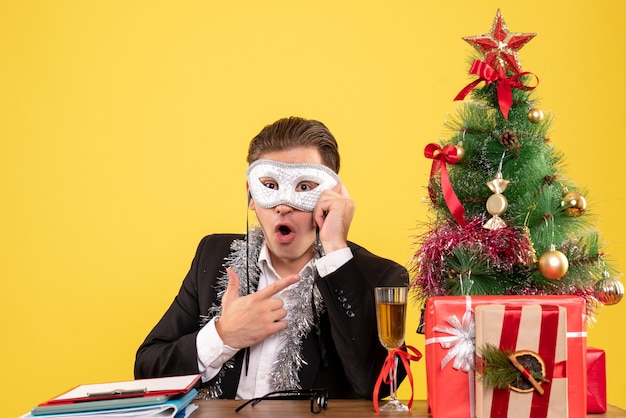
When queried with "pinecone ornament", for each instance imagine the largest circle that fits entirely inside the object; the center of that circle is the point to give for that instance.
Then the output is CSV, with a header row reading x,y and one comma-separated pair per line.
x,y
508,138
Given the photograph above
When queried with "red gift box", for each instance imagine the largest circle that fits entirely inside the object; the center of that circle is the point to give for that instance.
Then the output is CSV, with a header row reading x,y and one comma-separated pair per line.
x,y
449,351
540,329
596,381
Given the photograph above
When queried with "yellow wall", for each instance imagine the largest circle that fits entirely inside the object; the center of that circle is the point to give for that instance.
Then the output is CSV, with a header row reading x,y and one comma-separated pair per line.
x,y
124,126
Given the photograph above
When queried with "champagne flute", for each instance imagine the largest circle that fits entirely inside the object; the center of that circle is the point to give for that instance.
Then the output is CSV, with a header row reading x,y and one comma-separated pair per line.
x,y
391,320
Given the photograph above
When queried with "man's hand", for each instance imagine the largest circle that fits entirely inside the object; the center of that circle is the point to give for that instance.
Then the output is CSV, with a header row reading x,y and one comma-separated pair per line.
x,y
249,319
333,215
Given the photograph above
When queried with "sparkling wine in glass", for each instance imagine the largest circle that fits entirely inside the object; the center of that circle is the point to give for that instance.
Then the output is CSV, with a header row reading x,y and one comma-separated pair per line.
x,y
391,320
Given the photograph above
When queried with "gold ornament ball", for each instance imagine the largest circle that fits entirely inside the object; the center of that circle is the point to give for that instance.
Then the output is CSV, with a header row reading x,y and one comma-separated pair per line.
x,y
574,203
535,115
609,291
460,151
553,264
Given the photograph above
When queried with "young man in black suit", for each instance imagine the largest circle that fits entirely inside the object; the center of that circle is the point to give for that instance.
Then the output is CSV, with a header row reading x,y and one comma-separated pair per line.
x,y
290,304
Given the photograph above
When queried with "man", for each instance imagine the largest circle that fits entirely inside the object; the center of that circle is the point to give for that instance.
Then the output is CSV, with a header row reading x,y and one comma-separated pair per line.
x,y
290,304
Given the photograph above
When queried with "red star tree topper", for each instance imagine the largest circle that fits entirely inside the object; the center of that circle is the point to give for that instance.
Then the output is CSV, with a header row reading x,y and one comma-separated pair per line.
x,y
500,46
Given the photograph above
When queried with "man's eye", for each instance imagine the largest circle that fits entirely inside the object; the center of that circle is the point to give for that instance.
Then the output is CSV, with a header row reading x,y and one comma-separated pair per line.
x,y
306,186
269,183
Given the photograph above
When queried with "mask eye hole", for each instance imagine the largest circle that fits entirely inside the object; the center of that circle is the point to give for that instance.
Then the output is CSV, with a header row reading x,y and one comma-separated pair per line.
x,y
306,186
269,182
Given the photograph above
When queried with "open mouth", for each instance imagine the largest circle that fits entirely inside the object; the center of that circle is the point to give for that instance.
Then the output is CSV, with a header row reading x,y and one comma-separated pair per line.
x,y
284,230
284,233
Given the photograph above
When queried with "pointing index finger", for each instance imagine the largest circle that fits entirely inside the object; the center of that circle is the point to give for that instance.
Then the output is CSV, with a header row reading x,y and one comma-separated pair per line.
x,y
277,286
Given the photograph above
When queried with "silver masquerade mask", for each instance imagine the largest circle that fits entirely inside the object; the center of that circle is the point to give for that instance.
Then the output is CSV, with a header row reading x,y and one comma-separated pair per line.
x,y
298,185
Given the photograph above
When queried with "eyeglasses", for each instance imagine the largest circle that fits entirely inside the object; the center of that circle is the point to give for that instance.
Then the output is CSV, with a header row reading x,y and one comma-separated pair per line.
x,y
318,397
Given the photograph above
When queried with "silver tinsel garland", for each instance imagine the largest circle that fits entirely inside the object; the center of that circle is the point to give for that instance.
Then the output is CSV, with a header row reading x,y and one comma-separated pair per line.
x,y
300,318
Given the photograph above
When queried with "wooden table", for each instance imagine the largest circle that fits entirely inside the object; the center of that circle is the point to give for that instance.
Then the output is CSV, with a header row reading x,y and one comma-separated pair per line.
x,y
336,408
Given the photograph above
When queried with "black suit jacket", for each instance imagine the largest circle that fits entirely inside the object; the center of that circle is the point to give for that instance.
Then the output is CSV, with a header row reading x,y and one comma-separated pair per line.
x,y
348,324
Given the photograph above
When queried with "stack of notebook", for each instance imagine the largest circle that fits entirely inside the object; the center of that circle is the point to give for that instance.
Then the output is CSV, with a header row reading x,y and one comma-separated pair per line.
x,y
166,397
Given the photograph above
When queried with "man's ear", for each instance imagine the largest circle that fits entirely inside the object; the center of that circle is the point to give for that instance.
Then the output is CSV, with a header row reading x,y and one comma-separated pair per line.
x,y
250,200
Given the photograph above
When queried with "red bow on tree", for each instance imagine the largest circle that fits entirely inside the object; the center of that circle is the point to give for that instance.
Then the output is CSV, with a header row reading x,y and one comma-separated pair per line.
x,y
440,157
505,84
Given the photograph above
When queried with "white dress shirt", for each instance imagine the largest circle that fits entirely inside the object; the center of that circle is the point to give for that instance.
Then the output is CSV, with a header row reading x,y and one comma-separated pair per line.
x,y
213,353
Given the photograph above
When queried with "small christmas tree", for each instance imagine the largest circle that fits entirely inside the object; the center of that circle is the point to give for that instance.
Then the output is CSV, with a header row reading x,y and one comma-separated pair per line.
x,y
507,219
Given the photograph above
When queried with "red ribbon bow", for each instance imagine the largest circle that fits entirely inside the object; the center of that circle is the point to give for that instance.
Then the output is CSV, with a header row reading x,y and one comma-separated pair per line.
x,y
505,84
386,376
440,157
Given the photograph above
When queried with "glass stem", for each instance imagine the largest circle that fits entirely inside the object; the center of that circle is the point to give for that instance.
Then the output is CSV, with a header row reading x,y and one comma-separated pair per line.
x,y
392,379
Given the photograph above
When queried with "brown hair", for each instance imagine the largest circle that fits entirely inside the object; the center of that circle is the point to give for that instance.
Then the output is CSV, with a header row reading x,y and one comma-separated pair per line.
x,y
295,132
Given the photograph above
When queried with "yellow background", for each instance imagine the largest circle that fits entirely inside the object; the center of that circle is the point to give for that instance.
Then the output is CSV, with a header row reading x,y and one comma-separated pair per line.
x,y
124,127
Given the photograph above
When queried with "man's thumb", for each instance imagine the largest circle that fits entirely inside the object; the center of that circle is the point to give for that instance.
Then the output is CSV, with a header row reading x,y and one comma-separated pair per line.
x,y
232,290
